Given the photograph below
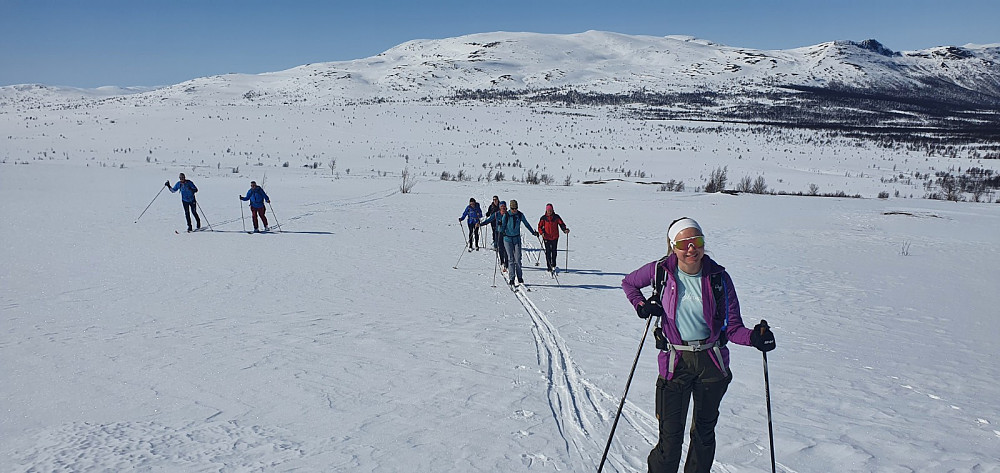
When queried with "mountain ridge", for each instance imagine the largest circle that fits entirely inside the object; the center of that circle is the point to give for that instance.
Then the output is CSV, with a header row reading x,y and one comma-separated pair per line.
x,y
934,87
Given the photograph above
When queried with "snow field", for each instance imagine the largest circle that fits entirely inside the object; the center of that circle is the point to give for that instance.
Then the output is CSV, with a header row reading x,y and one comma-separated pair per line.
x,y
348,343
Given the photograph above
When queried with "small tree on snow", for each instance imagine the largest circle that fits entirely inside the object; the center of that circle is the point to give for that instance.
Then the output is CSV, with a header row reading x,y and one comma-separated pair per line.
x,y
717,180
408,181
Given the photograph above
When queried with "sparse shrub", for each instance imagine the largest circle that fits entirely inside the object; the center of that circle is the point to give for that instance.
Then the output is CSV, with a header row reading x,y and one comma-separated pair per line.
x,y
717,180
408,181
445,176
883,195
568,181
759,186
672,186
813,189
285,164
745,184
499,176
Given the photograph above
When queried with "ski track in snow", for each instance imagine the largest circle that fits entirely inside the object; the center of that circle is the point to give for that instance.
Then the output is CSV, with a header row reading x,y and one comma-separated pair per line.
x,y
574,401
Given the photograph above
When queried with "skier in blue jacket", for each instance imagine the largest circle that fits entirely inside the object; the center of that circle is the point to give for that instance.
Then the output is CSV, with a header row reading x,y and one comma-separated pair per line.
x,y
474,213
257,197
187,189
510,228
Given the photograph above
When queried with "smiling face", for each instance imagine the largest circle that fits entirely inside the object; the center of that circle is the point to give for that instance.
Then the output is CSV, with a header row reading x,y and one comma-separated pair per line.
x,y
691,249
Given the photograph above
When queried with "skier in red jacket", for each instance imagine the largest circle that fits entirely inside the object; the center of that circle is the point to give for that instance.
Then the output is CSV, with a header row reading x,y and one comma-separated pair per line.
x,y
549,226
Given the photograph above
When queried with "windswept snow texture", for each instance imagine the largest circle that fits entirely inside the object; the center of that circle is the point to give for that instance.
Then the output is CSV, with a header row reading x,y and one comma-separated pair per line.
x,y
347,342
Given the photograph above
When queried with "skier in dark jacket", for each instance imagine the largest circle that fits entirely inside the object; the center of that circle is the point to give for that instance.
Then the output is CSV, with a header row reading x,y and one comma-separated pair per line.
x,y
493,208
187,189
694,359
549,226
474,213
510,228
494,220
257,197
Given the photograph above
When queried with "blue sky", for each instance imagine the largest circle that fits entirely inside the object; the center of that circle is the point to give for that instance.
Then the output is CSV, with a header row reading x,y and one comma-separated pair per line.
x,y
154,42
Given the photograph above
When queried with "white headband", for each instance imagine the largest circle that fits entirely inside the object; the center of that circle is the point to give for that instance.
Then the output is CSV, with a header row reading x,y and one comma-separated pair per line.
x,y
681,225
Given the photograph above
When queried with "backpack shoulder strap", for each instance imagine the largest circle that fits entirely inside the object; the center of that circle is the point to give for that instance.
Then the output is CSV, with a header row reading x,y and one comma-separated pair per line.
x,y
660,277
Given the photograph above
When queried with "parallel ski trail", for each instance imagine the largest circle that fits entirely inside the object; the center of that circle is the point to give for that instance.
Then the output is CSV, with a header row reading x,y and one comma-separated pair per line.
x,y
574,400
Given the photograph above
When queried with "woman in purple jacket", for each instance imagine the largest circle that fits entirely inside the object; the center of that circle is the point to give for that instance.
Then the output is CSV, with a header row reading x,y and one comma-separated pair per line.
x,y
694,327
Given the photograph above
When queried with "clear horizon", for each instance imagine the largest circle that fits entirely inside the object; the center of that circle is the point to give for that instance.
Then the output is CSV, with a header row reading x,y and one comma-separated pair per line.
x,y
156,43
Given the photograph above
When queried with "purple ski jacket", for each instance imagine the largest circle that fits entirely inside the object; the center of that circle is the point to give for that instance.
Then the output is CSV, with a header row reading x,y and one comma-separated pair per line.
x,y
735,329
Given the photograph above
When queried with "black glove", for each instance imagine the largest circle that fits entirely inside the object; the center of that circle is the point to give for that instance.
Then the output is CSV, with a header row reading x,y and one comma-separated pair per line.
x,y
649,308
167,183
762,338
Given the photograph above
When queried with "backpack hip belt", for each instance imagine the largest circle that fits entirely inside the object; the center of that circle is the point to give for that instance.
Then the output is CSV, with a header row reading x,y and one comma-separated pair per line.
x,y
673,349
694,346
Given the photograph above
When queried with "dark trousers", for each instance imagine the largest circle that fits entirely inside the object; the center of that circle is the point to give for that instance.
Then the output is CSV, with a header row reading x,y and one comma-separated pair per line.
x,y
191,208
473,234
258,211
551,250
500,248
696,377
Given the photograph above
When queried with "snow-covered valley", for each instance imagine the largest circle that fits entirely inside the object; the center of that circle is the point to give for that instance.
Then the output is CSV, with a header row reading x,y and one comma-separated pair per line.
x,y
346,341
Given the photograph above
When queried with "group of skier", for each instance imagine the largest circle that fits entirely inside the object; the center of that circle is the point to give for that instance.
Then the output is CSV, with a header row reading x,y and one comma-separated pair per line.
x,y
505,223
255,195
693,301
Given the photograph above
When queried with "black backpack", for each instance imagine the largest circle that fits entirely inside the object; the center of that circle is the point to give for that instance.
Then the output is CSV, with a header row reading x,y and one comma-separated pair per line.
x,y
718,284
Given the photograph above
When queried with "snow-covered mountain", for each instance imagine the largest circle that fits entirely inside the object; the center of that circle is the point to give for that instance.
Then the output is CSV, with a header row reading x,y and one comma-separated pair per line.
x,y
844,82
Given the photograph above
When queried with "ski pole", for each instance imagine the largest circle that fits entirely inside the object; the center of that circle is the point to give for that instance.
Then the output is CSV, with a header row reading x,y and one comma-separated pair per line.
x,y
275,218
243,217
767,395
463,248
496,263
463,235
150,203
627,384
206,216
541,251
567,251
537,260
